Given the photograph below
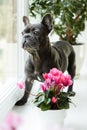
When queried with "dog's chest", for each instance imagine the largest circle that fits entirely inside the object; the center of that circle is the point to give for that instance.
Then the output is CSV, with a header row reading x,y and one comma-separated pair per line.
x,y
44,66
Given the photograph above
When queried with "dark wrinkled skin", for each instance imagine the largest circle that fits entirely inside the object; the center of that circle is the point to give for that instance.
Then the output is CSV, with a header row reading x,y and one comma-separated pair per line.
x,y
43,56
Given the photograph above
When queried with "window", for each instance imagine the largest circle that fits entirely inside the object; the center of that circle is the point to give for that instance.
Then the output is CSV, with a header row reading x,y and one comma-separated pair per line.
x,y
11,54
8,41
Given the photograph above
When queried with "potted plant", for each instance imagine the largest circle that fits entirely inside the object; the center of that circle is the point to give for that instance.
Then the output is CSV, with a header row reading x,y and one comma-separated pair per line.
x,y
52,95
69,20
52,99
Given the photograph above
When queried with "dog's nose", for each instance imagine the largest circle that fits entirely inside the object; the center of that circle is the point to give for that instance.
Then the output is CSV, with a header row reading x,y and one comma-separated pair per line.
x,y
26,35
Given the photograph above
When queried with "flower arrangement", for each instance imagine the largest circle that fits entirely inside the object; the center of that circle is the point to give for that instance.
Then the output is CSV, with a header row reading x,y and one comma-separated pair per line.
x,y
52,95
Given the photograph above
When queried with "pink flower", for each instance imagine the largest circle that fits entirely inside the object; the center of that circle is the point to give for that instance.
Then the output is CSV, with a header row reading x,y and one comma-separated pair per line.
x,y
53,83
50,76
61,79
54,100
43,87
21,84
56,79
67,80
47,83
55,72
60,86
45,76
13,120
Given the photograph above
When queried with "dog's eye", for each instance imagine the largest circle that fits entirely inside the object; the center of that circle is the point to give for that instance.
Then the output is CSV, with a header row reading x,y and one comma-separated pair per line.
x,y
35,32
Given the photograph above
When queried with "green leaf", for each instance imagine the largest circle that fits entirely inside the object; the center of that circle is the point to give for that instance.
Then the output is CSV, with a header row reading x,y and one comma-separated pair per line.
x,y
44,107
63,104
72,93
39,99
39,94
47,101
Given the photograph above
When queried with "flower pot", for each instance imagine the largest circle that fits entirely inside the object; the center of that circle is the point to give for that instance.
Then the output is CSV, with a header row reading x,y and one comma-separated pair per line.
x,y
80,55
52,118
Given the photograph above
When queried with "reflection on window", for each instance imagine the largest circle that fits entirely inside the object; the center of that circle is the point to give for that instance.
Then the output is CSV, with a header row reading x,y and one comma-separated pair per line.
x,y
8,45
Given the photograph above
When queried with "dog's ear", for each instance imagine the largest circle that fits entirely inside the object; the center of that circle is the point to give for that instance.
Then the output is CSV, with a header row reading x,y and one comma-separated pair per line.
x,y
47,21
26,20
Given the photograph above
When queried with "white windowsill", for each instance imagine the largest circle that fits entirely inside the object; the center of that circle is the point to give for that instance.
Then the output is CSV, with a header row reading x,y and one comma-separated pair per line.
x,y
9,95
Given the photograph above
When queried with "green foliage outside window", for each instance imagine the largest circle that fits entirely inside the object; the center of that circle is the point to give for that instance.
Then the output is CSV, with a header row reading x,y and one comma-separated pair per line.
x,y
69,16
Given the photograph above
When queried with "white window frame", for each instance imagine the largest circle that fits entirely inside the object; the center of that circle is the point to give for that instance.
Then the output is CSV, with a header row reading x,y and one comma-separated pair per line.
x,y
10,94
22,9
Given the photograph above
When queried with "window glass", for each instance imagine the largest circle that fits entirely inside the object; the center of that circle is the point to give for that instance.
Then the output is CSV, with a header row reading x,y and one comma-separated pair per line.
x,y
8,41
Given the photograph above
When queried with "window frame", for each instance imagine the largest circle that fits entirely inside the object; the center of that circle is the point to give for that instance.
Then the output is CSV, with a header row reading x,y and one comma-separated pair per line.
x,y
22,9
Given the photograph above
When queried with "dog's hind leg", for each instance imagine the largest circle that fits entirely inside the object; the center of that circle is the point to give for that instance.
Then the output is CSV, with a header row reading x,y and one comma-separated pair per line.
x,y
71,68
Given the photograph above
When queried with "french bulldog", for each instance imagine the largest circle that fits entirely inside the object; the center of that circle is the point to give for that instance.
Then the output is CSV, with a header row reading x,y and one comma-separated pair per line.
x,y
42,55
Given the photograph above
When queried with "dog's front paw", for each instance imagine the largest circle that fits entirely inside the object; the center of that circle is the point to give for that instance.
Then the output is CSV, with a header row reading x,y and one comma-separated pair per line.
x,y
20,102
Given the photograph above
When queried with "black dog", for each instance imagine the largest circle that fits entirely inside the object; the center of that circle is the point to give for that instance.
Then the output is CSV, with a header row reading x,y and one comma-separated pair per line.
x,y
44,56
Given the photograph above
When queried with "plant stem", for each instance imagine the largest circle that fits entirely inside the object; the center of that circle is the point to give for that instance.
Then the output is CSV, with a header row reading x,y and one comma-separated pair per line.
x,y
77,17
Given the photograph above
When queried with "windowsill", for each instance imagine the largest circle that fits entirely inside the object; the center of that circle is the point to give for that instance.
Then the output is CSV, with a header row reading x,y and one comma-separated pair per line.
x,y
9,95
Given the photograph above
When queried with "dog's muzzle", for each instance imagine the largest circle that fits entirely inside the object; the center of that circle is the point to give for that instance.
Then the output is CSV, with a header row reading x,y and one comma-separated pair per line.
x,y
29,43
24,43
25,40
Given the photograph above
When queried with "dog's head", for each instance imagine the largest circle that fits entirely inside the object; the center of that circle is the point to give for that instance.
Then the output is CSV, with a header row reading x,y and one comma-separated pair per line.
x,y
35,36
